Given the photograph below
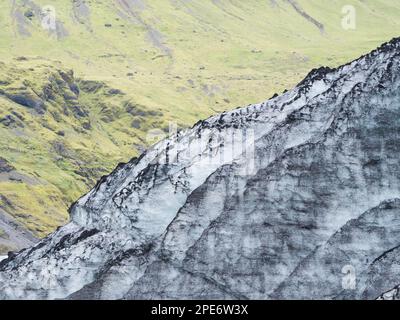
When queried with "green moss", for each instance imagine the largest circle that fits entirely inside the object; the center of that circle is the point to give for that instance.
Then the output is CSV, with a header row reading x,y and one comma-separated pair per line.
x,y
5,249
3,234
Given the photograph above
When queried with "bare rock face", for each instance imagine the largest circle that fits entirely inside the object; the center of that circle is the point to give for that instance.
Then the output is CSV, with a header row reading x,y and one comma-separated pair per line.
x,y
296,197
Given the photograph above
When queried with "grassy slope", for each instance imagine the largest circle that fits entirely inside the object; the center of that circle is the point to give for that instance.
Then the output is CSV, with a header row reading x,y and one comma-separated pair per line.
x,y
60,151
180,60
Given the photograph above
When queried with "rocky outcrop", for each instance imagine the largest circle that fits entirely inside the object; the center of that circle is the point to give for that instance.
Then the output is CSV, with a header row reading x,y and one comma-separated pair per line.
x,y
296,197
5,166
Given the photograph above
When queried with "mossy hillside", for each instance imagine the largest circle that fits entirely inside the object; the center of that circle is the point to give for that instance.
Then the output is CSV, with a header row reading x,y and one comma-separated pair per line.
x,y
60,135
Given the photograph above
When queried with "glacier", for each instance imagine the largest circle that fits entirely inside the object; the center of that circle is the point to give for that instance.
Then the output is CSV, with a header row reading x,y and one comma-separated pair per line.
x,y
285,199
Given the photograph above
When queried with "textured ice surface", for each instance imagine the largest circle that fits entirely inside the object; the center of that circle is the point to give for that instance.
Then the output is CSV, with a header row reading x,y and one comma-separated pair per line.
x,y
296,197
